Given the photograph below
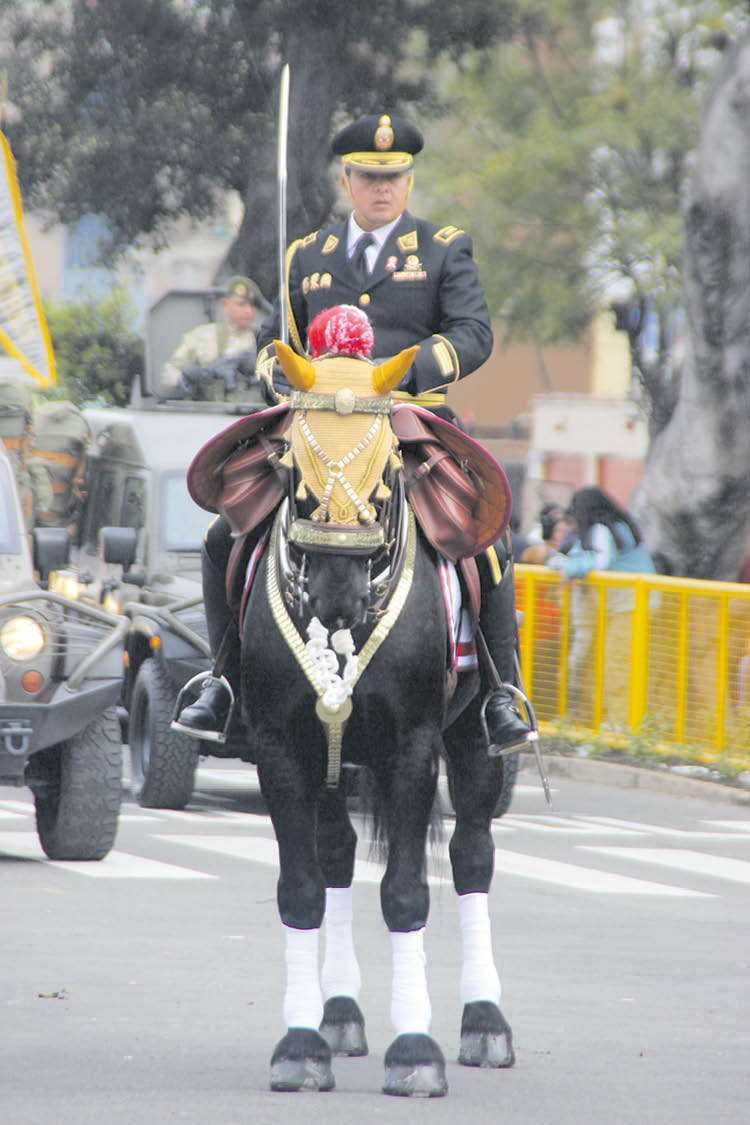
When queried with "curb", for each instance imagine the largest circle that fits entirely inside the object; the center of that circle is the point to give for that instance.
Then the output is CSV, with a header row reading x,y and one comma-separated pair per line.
x,y
634,777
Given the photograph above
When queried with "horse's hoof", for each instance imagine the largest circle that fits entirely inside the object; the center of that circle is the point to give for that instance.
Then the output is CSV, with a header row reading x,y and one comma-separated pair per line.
x,y
301,1061
486,1037
343,1027
415,1068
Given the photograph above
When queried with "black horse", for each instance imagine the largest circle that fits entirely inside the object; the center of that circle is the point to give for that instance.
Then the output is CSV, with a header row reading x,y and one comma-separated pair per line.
x,y
366,685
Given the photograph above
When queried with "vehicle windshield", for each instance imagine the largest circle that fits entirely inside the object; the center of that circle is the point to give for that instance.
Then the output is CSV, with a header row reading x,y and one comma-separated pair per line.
x,y
10,540
183,523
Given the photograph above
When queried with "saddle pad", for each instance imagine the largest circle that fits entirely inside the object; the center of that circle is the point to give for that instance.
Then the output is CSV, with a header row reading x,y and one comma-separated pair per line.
x,y
458,491
460,631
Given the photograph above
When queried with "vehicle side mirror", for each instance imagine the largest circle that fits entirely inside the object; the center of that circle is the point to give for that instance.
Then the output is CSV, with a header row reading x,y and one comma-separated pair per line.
x,y
118,545
51,547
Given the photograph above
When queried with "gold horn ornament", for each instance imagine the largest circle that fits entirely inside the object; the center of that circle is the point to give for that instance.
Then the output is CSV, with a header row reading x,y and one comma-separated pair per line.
x,y
297,368
389,374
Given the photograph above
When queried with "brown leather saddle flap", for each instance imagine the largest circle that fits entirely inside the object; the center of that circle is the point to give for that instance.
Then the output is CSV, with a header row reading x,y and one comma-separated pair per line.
x,y
237,472
458,491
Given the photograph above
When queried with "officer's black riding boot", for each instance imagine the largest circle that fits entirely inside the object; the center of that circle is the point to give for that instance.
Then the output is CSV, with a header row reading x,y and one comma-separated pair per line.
x,y
497,619
207,715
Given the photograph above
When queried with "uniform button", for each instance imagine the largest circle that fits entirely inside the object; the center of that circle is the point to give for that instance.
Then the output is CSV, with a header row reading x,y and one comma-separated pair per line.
x,y
364,299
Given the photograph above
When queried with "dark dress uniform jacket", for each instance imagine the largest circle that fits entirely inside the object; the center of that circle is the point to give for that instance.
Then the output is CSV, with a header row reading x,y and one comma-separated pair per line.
x,y
424,289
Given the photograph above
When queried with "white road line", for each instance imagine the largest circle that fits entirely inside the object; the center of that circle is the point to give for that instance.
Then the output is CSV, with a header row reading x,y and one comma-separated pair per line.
x,y
6,815
583,878
533,789
258,849
566,825
204,816
697,863
735,825
261,849
233,778
117,865
18,806
659,830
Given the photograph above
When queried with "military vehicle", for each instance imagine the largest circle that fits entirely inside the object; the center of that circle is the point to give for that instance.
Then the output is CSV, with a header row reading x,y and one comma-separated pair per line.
x,y
138,552
60,682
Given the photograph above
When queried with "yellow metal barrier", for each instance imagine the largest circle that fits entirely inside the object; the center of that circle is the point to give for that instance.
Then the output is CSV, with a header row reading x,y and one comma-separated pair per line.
x,y
626,658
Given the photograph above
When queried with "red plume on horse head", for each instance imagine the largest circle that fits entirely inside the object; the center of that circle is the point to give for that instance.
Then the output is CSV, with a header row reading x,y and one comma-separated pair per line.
x,y
340,330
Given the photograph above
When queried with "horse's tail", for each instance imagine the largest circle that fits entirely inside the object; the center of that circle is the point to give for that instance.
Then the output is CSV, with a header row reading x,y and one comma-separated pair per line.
x,y
372,805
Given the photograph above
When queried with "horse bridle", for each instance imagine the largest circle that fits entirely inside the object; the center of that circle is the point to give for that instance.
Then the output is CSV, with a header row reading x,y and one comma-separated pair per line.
x,y
384,565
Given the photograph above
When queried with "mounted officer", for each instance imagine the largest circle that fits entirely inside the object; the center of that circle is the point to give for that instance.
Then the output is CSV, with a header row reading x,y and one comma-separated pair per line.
x,y
418,284
216,361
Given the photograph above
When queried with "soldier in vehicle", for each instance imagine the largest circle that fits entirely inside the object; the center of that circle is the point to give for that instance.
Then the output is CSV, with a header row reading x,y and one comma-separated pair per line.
x,y
217,361
418,284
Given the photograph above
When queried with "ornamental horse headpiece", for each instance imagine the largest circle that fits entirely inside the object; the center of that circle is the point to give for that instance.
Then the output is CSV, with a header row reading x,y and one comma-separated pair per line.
x,y
341,436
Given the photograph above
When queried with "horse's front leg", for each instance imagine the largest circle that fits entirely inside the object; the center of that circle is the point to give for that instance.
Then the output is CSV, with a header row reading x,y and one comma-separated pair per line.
x,y
343,1025
302,1059
414,1063
486,1037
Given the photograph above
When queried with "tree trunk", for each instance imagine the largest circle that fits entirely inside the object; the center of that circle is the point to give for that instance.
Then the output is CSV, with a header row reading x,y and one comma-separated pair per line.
x,y
310,190
694,500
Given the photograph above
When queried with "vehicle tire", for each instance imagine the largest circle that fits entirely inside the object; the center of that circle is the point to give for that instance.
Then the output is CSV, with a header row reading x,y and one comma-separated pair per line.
x,y
510,772
79,792
163,761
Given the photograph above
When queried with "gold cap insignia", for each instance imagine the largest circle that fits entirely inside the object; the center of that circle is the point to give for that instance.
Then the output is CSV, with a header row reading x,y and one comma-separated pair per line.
x,y
383,138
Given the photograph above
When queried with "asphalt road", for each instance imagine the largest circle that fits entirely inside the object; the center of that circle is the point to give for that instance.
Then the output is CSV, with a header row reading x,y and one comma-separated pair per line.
x,y
147,988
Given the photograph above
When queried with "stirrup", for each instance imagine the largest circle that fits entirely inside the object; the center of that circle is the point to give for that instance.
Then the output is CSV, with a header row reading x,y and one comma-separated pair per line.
x,y
192,687
532,737
532,734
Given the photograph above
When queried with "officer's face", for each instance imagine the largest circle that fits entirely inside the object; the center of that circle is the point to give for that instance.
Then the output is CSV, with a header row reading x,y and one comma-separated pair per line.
x,y
378,197
240,313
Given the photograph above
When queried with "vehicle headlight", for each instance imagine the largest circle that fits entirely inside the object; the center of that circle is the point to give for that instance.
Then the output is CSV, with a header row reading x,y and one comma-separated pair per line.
x,y
21,638
65,583
110,603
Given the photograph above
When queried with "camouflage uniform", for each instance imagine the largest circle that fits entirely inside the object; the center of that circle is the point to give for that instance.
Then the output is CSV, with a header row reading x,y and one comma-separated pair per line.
x,y
195,366
201,347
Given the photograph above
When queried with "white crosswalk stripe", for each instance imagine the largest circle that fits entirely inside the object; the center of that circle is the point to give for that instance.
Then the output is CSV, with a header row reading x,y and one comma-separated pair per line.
x,y
583,878
248,838
661,830
700,863
117,865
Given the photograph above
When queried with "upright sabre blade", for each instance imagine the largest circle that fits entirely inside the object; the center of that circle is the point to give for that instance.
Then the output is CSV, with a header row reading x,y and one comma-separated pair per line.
x,y
281,176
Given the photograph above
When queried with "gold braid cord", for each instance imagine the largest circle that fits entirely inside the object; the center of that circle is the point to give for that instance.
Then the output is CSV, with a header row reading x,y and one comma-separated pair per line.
x,y
334,719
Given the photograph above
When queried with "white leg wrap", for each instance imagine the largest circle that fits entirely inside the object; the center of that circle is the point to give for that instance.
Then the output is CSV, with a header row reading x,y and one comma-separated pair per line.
x,y
303,1000
340,976
479,979
410,1001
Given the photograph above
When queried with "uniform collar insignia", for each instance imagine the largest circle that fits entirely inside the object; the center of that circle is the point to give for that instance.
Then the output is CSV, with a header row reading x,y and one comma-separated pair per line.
x,y
330,244
407,242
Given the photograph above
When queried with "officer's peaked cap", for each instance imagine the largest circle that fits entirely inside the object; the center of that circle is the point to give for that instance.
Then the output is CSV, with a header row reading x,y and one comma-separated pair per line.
x,y
378,142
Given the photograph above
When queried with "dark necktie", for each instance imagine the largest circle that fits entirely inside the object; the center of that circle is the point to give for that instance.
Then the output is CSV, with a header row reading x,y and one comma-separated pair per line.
x,y
359,262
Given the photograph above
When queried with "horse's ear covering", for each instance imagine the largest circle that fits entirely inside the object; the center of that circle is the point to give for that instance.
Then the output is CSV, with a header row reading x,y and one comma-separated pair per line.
x,y
390,373
297,368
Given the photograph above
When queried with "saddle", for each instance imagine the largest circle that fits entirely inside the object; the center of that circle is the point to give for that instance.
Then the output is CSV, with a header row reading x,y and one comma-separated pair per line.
x,y
457,490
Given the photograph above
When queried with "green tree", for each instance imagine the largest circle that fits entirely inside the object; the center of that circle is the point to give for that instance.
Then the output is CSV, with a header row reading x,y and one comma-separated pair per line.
x,y
566,153
98,354
143,111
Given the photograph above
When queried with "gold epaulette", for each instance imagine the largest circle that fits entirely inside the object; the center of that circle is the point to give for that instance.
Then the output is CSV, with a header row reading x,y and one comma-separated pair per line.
x,y
446,235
